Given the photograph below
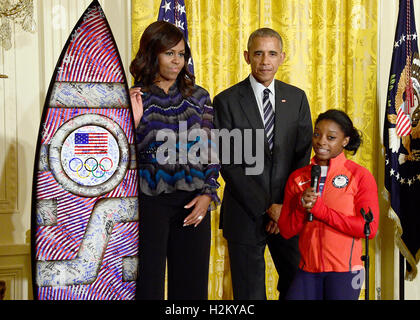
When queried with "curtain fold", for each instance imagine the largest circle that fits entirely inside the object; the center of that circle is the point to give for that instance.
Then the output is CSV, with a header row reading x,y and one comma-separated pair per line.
x,y
331,53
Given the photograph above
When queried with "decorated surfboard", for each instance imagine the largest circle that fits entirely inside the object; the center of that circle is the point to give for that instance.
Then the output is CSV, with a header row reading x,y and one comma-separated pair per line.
x,y
85,189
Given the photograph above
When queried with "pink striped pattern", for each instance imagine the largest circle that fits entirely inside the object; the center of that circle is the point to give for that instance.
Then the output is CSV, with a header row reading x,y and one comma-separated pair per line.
x,y
127,188
47,187
56,117
62,241
91,55
109,284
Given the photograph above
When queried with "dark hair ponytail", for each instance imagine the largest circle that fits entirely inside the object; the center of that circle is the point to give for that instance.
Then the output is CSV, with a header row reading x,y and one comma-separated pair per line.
x,y
345,123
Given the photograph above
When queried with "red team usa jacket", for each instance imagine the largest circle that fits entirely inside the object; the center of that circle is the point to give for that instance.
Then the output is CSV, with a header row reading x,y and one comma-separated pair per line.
x,y
332,241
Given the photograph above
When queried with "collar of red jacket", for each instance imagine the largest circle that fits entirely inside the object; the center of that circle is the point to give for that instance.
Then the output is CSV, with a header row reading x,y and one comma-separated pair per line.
x,y
338,161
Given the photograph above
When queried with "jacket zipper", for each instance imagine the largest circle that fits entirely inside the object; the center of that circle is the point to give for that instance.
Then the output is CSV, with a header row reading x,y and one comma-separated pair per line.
x,y
351,254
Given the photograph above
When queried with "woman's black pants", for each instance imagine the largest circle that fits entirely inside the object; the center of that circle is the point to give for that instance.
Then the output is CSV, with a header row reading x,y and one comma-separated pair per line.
x,y
163,238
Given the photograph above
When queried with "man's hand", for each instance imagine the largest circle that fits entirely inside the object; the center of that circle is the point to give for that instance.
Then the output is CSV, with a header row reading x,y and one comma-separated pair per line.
x,y
272,227
274,212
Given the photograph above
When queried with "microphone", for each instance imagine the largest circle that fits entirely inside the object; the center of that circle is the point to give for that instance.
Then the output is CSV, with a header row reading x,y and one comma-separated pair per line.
x,y
315,175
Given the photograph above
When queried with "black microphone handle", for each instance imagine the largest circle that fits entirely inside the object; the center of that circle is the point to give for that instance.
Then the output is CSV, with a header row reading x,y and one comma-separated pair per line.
x,y
315,186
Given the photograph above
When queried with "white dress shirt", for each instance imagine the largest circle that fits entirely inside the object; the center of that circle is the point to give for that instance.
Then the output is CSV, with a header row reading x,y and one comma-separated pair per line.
x,y
258,89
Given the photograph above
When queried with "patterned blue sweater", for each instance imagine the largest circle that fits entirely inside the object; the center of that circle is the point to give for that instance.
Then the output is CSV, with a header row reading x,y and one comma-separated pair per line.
x,y
181,171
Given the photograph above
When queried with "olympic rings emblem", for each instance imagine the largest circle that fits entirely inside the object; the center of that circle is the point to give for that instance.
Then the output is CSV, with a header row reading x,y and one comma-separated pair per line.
x,y
92,166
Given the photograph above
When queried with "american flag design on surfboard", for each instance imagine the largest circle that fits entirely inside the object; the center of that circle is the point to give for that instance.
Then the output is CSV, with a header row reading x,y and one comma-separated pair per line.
x,y
85,192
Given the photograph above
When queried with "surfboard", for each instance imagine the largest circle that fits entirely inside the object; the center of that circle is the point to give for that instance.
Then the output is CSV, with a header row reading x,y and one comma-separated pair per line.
x,y
84,228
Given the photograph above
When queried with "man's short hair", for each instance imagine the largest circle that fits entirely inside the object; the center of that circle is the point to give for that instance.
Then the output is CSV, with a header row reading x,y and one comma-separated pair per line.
x,y
265,33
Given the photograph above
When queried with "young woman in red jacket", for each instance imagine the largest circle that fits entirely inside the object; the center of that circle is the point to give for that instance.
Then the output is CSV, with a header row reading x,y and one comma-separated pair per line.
x,y
330,245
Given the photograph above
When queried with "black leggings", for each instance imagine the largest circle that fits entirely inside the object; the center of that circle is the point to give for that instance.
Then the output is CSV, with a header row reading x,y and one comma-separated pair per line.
x,y
186,249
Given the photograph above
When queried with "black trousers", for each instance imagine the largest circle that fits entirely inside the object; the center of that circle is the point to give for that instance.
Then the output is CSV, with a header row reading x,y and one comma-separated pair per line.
x,y
164,238
248,266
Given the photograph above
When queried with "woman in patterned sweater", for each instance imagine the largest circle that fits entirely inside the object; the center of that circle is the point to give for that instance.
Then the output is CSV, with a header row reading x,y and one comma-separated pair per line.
x,y
178,174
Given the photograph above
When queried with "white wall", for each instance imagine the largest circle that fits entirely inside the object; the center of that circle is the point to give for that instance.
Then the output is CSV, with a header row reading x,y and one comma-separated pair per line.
x,y
29,66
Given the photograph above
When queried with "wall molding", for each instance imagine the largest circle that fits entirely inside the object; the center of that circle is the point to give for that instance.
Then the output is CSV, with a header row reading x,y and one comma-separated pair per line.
x,y
15,250
13,276
15,270
8,118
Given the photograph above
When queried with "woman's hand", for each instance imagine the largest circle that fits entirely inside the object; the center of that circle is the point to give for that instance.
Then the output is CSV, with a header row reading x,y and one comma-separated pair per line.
x,y
308,199
201,205
137,104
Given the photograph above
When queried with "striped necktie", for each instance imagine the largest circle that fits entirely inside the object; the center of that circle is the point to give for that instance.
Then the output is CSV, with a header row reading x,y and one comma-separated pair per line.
x,y
268,119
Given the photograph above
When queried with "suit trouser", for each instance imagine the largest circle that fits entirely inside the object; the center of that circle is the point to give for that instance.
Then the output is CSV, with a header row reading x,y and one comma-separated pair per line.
x,y
164,238
248,266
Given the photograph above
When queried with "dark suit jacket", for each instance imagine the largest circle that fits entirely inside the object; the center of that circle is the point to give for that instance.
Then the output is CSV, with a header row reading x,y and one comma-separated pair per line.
x,y
247,197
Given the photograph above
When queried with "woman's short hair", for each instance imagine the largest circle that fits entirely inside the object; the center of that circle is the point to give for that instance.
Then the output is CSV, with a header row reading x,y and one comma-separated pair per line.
x,y
157,38
345,123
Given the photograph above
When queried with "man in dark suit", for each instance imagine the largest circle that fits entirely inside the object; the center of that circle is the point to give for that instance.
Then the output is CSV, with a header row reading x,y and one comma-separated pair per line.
x,y
284,116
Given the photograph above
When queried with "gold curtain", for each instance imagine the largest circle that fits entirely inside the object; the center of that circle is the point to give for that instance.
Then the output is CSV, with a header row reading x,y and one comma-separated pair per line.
x,y
331,51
